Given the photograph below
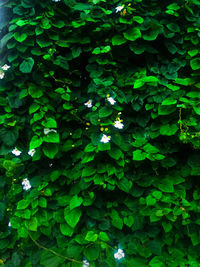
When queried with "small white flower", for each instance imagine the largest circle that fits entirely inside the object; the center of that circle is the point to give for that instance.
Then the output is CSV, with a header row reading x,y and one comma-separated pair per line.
x,y
9,224
119,254
26,184
5,67
85,263
88,103
2,74
47,130
50,165
31,152
16,152
111,100
56,0
118,124
119,8
105,138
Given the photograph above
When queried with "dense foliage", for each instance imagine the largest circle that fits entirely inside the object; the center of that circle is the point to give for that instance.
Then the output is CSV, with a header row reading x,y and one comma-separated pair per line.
x,y
100,133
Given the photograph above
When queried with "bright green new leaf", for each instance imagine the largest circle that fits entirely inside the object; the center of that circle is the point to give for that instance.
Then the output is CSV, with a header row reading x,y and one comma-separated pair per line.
x,y
139,155
91,236
20,37
23,204
33,224
118,40
35,142
195,63
75,202
72,217
66,229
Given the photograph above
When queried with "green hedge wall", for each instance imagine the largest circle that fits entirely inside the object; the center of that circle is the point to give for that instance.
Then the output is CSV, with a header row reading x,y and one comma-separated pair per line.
x,y
99,133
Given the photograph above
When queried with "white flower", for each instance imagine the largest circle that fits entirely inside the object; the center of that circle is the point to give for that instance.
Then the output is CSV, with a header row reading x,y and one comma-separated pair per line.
x,y
56,0
119,254
31,152
118,124
26,184
47,130
85,263
105,138
16,152
50,165
119,8
111,100
5,67
2,74
88,103
9,224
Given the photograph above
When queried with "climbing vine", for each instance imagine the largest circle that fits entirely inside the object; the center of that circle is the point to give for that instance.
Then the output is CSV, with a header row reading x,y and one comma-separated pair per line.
x,y
99,133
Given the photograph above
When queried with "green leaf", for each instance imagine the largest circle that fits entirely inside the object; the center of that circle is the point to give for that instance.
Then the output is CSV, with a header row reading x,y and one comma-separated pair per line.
x,y
72,217
104,237
91,236
49,259
67,146
43,42
150,149
50,150
169,101
61,62
193,94
115,153
33,224
9,136
138,19
195,63
151,35
58,23
155,247
150,200
20,37
51,137
88,171
50,123
166,185
45,23
165,110
75,202
105,112
197,109
173,27
167,226
43,202
91,252
35,91
23,204
88,157
66,229
129,221
132,34
157,194
116,220
27,65
35,142
167,129
139,155
118,40
33,108
124,184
